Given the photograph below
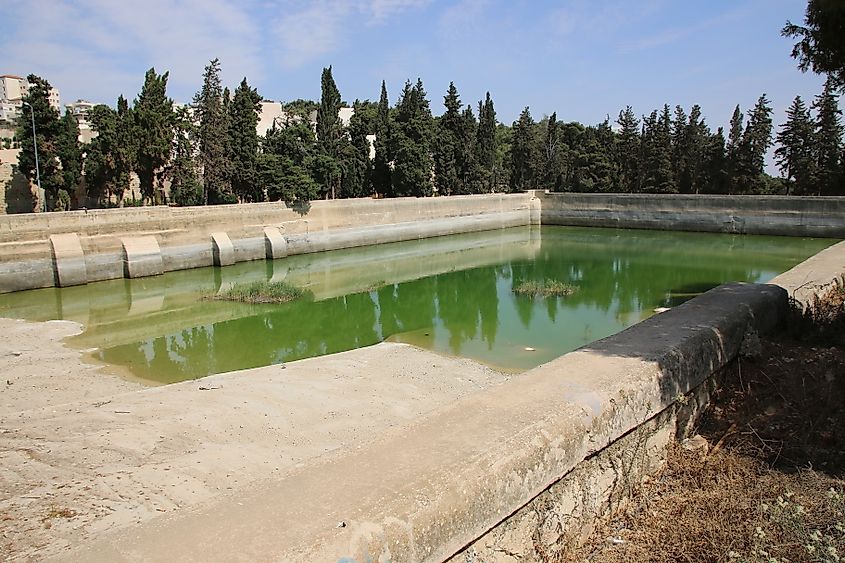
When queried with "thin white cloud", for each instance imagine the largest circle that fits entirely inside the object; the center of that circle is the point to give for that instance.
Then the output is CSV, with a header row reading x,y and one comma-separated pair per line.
x,y
308,31
674,34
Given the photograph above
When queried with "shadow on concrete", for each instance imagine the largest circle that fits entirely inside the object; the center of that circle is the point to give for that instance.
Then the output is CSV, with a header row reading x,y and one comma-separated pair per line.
x,y
18,194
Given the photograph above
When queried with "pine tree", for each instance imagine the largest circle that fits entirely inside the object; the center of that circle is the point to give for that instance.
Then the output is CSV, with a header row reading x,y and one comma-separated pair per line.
x,y
287,155
111,155
355,152
329,134
412,140
828,137
213,130
448,143
714,176
756,141
628,151
553,155
469,172
382,183
47,130
820,45
522,152
153,113
794,154
657,153
696,148
185,187
733,152
485,144
243,141
680,151
70,155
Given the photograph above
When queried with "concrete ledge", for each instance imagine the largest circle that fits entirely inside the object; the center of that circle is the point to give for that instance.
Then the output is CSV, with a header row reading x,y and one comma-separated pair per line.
x,y
765,215
426,492
813,276
68,260
141,257
275,245
222,250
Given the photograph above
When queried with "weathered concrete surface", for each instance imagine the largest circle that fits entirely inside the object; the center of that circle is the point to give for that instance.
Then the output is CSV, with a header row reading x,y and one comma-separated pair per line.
x,y
813,276
141,257
184,234
425,492
766,215
275,245
222,249
68,260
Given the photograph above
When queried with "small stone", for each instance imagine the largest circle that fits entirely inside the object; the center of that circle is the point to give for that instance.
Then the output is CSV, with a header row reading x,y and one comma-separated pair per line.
x,y
697,442
341,524
530,349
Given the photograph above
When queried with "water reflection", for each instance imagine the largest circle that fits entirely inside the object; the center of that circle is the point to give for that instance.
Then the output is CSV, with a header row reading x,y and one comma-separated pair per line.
x,y
452,294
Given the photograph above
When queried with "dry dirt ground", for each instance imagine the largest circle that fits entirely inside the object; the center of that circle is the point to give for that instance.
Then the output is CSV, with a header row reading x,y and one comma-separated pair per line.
x,y
767,483
83,452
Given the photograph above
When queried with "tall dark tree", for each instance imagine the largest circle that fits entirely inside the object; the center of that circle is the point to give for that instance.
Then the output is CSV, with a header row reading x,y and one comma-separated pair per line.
x,y
70,155
714,174
448,144
329,134
820,46
111,155
522,152
356,169
733,149
828,142
412,143
243,142
657,153
485,144
628,151
593,166
213,133
48,130
153,113
382,183
185,187
695,150
756,140
552,154
287,155
794,154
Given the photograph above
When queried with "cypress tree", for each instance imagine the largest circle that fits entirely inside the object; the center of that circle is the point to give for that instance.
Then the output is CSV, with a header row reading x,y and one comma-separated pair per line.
x,y
70,155
828,136
485,144
628,151
657,153
213,135
185,187
794,154
448,143
153,113
243,142
381,163
522,152
714,178
468,170
732,148
329,133
412,139
756,140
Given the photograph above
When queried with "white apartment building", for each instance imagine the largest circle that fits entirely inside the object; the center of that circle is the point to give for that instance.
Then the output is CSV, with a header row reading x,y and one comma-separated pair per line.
x,y
12,89
80,110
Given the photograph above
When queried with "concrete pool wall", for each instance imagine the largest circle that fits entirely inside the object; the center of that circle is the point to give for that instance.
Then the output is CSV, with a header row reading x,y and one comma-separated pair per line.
x,y
77,247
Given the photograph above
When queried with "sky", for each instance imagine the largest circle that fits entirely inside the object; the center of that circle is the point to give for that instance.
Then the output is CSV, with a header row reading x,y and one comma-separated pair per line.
x,y
584,59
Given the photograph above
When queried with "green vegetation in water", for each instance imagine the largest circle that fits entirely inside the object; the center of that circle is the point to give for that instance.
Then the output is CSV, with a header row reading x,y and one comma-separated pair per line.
x,y
547,288
261,292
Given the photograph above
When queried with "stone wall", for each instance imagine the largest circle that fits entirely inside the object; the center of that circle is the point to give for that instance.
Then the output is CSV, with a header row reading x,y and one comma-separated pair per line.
x,y
767,215
42,250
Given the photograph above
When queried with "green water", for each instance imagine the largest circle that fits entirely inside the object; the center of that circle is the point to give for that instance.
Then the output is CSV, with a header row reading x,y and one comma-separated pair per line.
x,y
453,295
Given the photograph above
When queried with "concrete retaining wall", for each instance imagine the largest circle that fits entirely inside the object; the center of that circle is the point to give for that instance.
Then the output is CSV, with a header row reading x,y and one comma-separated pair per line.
x,y
766,215
135,242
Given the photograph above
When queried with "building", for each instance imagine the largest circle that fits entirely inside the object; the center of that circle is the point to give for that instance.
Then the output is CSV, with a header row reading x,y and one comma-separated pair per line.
x,y
80,110
12,90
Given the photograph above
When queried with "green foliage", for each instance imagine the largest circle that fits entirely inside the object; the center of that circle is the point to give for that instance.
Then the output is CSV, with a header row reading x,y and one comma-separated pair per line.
x,y
185,187
448,143
657,154
545,288
243,142
262,292
154,119
69,153
283,180
828,142
795,153
485,144
328,167
522,153
48,131
213,133
382,181
411,140
111,155
756,140
820,46
356,168
628,150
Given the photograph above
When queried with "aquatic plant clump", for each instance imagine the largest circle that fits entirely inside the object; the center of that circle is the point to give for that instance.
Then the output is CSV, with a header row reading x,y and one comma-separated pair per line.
x,y
546,288
261,292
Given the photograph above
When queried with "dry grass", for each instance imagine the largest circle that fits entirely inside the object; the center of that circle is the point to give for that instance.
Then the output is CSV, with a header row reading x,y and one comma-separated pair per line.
x,y
773,487
261,292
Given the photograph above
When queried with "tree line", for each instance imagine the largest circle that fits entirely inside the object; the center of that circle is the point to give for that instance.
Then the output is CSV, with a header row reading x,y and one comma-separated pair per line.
x,y
210,152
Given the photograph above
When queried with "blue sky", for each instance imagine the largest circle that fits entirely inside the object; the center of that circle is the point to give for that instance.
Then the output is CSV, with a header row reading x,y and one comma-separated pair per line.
x,y
584,59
